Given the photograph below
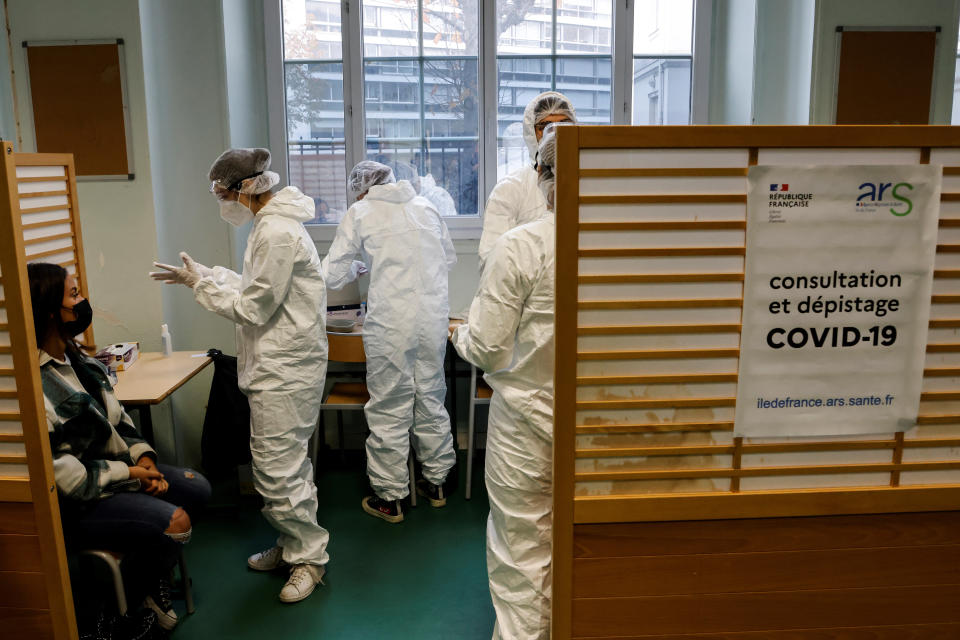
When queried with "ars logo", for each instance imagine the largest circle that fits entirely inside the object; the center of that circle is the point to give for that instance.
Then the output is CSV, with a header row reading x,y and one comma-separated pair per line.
x,y
873,193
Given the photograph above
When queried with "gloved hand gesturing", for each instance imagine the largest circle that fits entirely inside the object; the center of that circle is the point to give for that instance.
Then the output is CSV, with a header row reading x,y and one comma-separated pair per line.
x,y
189,274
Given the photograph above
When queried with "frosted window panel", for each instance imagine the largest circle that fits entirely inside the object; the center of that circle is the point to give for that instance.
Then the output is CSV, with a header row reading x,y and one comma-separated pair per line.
x,y
671,264
524,28
390,28
661,185
661,91
43,232
38,187
659,291
838,156
662,158
315,134
43,201
680,212
450,149
311,30
30,171
450,27
662,27
584,26
655,367
46,216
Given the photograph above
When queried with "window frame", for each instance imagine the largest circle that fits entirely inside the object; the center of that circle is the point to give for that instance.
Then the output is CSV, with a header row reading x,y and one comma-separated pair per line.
x,y
351,21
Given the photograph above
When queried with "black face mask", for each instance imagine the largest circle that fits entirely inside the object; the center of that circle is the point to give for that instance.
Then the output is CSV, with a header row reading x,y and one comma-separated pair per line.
x,y
84,314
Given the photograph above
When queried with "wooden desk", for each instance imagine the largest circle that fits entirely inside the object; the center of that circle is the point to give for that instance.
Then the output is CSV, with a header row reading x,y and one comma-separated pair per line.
x,y
152,379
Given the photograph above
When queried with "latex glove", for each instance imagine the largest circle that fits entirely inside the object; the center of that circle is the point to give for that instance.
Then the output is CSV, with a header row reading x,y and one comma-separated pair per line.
x,y
359,268
204,271
188,274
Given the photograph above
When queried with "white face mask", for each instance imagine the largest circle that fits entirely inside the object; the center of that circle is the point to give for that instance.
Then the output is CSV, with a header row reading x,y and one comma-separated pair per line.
x,y
235,213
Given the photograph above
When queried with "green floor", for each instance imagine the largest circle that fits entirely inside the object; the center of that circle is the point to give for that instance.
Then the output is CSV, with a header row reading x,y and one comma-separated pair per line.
x,y
424,578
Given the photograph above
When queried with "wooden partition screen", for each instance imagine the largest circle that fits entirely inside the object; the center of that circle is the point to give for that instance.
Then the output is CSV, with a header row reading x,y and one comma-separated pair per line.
x,y
37,222
665,524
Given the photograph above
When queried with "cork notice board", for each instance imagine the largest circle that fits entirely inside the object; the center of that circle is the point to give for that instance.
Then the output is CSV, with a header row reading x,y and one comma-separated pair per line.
x,y
79,105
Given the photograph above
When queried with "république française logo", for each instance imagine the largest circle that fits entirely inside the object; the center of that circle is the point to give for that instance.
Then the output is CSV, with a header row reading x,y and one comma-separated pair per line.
x,y
872,195
781,197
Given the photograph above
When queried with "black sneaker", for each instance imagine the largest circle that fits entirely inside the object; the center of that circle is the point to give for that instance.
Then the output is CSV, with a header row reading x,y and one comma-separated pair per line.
x,y
389,510
160,603
432,492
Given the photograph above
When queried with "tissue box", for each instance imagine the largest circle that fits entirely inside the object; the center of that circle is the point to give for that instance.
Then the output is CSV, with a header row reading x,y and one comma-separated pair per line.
x,y
120,356
346,311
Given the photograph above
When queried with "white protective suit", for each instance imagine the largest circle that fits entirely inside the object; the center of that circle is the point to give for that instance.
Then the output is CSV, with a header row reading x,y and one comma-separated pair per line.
x,y
509,335
279,306
405,244
437,195
516,199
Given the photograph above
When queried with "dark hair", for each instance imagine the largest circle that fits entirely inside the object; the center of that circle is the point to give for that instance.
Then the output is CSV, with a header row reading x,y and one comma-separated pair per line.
x,y
46,297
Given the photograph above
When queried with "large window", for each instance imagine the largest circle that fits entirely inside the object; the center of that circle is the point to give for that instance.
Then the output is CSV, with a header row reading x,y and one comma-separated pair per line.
x,y
415,92
662,61
546,45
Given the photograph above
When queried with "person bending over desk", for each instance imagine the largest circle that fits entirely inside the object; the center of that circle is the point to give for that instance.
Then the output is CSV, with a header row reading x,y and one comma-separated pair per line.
x,y
114,495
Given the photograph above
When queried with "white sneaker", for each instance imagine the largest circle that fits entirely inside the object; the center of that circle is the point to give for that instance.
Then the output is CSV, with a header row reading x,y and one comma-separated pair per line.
x,y
302,581
166,618
267,560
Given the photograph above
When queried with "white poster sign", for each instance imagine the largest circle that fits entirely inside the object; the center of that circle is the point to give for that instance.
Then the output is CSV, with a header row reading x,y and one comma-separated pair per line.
x,y
838,275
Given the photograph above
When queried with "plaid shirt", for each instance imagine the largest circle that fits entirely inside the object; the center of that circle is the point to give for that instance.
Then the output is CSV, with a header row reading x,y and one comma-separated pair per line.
x,y
93,440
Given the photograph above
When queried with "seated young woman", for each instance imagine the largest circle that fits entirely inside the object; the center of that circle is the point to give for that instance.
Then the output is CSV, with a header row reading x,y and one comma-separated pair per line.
x,y
114,494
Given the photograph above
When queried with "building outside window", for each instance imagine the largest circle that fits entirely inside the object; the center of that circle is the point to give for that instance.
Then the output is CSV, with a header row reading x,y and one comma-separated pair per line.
x,y
422,96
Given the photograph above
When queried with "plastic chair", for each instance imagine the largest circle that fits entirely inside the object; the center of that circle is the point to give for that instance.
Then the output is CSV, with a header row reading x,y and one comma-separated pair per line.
x,y
480,394
113,560
349,395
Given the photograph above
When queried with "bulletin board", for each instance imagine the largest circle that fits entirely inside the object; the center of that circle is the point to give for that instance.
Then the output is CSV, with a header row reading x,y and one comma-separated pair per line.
x,y
79,102
650,253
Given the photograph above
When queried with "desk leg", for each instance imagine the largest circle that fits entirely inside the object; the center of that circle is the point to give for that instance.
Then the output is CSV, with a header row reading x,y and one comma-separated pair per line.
x,y
146,423
452,385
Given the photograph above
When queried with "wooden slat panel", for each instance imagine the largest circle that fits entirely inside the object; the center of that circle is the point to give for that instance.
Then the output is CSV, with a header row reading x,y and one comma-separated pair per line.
x,y
20,553
654,403
16,518
763,572
41,194
758,448
805,137
763,472
15,490
673,198
765,504
22,589
679,172
760,535
600,617
659,427
673,378
42,239
665,225
47,223
648,329
11,437
937,631
661,278
646,252
19,624
658,354
688,303
62,178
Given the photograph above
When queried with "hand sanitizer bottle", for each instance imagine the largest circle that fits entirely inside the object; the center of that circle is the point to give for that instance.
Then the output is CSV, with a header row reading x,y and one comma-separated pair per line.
x,y
165,341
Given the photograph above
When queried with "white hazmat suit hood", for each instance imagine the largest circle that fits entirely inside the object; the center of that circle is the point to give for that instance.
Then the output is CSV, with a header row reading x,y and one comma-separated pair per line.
x,y
404,242
516,199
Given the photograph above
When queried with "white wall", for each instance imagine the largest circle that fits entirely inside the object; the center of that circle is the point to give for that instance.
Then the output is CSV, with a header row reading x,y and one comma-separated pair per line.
x,y
783,62
119,232
883,13
185,76
732,62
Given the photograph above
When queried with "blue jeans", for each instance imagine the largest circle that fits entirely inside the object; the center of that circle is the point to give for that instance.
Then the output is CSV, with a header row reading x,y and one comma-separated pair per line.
x,y
134,523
